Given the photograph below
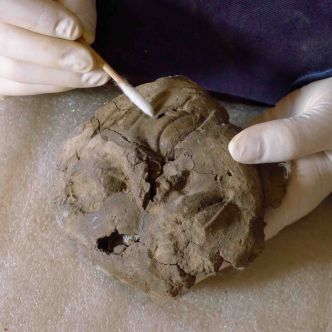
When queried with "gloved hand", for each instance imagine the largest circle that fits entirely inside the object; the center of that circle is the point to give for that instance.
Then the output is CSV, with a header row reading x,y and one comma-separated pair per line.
x,y
38,53
298,128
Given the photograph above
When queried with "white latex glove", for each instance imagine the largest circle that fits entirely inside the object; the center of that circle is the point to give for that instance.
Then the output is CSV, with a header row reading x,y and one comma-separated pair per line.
x,y
38,53
298,128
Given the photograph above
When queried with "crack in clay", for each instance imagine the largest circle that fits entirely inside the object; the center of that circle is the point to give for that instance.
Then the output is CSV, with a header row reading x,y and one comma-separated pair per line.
x,y
97,130
201,126
110,116
151,177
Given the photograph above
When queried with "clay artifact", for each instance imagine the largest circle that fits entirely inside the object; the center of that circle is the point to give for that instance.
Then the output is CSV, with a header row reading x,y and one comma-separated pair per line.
x,y
159,204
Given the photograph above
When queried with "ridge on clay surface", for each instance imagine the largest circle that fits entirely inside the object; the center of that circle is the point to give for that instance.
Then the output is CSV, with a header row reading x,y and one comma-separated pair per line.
x,y
159,203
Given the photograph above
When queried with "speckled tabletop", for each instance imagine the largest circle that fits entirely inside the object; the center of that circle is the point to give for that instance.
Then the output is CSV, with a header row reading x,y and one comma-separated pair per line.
x,y
47,285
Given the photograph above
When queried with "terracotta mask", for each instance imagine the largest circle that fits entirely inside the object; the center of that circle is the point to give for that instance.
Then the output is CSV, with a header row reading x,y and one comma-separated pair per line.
x,y
159,203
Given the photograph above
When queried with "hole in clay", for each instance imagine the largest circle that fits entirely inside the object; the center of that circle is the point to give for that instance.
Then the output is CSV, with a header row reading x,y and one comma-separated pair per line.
x,y
116,243
108,243
229,173
159,116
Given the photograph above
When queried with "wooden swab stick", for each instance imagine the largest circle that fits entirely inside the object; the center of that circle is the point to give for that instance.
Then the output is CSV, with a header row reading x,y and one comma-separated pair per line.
x,y
126,88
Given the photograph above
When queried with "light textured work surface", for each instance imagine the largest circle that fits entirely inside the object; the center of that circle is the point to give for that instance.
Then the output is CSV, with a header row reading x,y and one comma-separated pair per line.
x,y
46,286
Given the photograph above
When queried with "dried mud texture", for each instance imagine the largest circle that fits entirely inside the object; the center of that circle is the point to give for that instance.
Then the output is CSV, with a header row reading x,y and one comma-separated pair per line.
x,y
159,203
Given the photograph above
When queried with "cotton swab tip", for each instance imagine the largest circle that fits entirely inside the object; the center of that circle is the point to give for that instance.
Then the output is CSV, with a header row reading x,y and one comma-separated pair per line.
x,y
136,98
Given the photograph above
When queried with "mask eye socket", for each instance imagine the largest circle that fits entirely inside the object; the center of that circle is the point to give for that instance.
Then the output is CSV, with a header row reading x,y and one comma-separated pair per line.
x,y
90,185
113,180
199,202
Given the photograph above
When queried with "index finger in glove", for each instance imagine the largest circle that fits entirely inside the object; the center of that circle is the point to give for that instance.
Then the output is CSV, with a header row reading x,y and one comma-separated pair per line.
x,y
85,10
41,16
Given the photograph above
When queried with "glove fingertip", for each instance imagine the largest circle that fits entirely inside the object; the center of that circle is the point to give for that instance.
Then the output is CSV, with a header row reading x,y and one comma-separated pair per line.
x,y
246,148
68,28
232,148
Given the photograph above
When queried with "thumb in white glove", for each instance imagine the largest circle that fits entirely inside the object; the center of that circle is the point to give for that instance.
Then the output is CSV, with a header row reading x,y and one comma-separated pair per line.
x,y
298,128
38,53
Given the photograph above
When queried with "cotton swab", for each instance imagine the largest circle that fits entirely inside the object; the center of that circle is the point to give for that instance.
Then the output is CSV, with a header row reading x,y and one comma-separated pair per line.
x,y
126,88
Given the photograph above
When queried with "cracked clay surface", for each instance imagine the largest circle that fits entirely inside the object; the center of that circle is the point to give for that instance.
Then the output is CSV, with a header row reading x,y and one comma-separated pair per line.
x,y
159,203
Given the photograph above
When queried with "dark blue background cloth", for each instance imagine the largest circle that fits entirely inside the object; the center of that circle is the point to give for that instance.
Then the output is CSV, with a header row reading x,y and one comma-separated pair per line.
x,y
254,49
